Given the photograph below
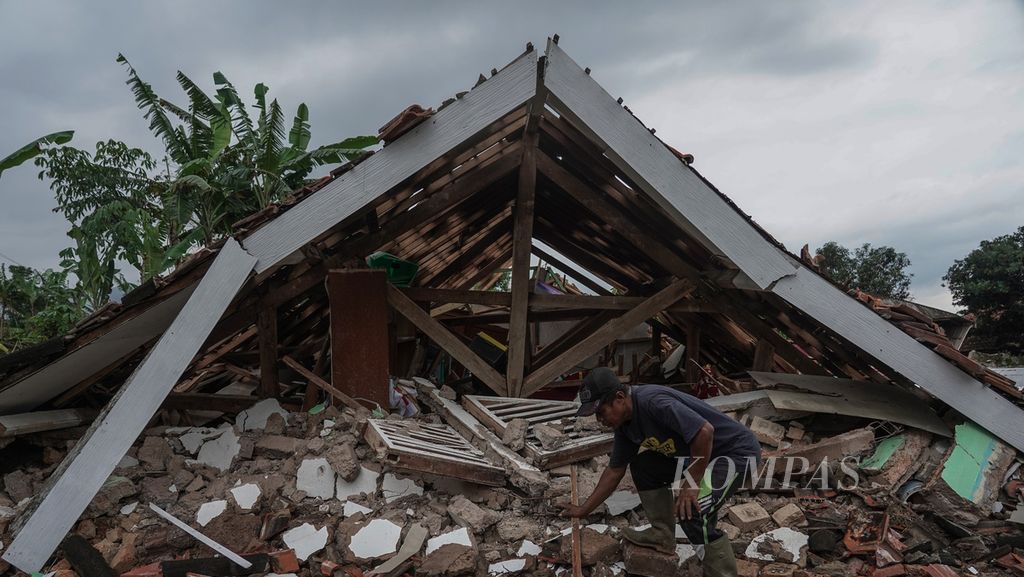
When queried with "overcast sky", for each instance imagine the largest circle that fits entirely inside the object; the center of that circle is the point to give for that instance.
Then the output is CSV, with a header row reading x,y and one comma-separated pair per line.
x,y
898,123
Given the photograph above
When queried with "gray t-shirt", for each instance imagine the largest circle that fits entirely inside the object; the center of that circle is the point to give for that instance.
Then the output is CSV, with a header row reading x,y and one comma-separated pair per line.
x,y
666,420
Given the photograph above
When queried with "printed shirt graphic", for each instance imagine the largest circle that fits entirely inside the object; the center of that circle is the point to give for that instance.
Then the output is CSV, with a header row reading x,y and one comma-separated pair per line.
x,y
666,421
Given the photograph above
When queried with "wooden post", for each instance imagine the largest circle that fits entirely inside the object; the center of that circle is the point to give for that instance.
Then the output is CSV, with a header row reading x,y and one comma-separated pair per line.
x,y
577,546
309,399
266,321
522,235
692,353
359,333
764,356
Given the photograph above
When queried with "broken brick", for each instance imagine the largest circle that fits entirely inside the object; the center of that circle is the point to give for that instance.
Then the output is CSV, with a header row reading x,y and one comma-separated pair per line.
x,y
748,516
789,515
648,562
284,561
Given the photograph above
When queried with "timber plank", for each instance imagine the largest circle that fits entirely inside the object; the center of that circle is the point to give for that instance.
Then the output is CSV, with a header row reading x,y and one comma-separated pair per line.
x,y
74,483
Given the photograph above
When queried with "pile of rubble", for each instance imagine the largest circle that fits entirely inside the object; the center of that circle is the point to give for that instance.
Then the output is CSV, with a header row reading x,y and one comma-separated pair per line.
x,y
308,494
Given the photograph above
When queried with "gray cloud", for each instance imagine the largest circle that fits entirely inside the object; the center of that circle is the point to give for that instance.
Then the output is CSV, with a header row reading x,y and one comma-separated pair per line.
x,y
890,124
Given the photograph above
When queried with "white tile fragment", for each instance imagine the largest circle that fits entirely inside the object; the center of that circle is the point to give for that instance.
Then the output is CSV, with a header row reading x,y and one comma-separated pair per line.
x,y
194,438
365,482
528,548
218,453
316,478
209,511
246,495
255,417
793,541
458,536
305,539
395,488
129,508
353,508
379,537
686,550
505,567
621,501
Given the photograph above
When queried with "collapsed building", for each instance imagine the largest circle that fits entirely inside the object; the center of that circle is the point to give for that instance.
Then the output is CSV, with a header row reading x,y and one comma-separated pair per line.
x,y
336,389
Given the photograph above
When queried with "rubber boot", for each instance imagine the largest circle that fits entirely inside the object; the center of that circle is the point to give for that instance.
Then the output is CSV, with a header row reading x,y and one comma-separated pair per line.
x,y
719,560
661,512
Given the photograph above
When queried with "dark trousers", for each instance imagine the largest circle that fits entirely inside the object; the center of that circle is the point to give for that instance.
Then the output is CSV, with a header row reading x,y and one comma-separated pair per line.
x,y
652,470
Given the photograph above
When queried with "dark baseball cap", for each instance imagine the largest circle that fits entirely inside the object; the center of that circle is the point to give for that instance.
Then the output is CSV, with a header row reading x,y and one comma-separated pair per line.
x,y
599,384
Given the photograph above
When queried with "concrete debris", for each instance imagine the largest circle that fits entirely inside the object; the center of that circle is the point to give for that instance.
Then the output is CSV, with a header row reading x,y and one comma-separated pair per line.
x,y
377,539
748,516
344,461
305,540
451,560
468,514
594,548
515,434
154,454
549,437
648,562
277,446
767,432
276,485
834,448
789,515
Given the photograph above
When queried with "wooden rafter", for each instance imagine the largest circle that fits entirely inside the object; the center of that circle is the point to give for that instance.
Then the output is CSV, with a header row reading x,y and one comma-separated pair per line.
x,y
611,330
446,340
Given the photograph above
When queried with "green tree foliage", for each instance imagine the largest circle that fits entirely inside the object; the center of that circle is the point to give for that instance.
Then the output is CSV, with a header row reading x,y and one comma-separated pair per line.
x,y
34,148
881,271
989,282
222,162
34,306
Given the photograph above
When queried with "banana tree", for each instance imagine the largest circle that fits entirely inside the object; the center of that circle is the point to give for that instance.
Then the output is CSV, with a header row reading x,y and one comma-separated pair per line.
x,y
229,164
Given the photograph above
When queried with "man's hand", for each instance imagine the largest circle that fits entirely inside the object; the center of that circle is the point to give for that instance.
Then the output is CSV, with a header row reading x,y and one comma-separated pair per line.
x,y
687,506
574,511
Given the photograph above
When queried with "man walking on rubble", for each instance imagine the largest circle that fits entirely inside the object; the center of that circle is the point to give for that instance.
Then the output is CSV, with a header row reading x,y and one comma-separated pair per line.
x,y
659,432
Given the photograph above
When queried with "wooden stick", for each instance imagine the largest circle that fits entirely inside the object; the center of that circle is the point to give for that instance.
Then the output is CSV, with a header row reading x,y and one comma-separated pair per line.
x,y
234,557
577,549
327,387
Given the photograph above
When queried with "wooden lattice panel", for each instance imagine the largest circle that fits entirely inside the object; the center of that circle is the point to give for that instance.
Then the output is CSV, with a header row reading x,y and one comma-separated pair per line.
x,y
428,448
497,412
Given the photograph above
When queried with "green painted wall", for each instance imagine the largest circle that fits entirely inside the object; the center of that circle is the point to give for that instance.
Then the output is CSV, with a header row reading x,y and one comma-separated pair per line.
x,y
964,470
